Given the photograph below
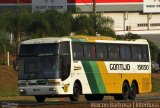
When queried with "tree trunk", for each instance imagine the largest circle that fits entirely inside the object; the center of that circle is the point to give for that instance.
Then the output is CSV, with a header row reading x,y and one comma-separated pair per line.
x,y
17,40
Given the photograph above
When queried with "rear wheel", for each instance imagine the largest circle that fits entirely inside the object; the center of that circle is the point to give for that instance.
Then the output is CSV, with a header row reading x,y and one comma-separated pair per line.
x,y
125,92
40,98
94,97
133,91
76,92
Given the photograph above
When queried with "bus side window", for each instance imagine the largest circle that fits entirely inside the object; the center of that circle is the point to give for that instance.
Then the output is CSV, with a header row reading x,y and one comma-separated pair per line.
x,y
65,60
113,52
137,53
145,53
101,51
89,51
77,50
125,52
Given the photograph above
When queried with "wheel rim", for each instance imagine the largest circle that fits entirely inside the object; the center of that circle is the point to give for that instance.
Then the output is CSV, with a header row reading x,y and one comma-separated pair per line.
x,y
76,91
125,91
133,91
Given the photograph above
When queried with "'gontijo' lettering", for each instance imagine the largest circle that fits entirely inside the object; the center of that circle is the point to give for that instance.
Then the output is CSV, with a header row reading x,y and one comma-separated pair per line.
x,y
119,67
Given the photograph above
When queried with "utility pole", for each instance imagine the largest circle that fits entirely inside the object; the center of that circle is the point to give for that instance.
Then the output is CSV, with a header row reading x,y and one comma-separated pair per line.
x,y
94,14
94,7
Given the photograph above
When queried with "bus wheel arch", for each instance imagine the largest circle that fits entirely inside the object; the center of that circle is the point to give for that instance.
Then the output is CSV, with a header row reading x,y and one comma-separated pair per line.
x,y
133,90
77,91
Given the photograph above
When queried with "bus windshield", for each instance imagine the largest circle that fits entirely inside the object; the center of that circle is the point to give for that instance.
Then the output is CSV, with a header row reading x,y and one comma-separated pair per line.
x,y
38,61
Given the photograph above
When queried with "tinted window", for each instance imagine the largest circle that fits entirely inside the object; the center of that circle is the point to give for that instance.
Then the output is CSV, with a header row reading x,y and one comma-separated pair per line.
x,y
38,49
64,48
145,53
125,52
113,52
65,60
89,51
101,51
137,53
77,50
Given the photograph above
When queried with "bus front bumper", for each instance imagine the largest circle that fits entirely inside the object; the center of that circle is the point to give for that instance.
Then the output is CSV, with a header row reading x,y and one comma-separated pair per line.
x,y
40,90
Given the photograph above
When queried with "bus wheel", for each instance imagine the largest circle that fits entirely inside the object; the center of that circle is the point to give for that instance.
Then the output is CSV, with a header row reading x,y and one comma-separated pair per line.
x,y
125,92
133,91
76,92
94,97
40,98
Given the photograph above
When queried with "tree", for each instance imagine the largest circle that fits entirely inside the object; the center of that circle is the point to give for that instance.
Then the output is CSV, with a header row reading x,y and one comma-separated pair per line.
x,y
81,25
88,24
16,23
39,26
153,50
60,23
4,42
104,26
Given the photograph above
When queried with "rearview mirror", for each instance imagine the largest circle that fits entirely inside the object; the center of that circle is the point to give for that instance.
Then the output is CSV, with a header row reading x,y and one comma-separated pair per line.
x,y
15,65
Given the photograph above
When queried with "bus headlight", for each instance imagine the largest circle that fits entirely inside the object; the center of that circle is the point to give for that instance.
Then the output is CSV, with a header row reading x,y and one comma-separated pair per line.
x,y
22,92
52,82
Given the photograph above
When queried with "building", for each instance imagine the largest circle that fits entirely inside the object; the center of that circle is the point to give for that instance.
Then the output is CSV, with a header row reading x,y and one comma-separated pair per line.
x,y
128,15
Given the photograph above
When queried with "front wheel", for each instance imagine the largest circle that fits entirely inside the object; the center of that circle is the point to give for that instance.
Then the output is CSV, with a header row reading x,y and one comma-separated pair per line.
x,y
40,99
76,92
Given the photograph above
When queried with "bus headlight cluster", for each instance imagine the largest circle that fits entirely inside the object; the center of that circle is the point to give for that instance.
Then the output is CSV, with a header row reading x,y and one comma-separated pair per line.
x,y
22,92
53,83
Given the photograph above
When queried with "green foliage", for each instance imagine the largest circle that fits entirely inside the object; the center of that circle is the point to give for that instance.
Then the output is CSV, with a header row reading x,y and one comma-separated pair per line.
x,y
60,23
155,84
26,25
89,24
153,50
128,36
39,25
81,24
4,42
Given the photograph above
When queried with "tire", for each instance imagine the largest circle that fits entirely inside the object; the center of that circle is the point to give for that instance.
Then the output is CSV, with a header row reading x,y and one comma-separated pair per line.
x,y
133,91
40,99
125,92
76,92
94,97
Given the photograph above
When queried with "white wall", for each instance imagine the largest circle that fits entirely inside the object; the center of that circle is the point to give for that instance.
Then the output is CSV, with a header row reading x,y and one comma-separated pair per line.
x,y
137,21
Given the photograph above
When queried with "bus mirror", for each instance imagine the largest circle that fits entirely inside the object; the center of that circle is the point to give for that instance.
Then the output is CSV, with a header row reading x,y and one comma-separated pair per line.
x,y
15,65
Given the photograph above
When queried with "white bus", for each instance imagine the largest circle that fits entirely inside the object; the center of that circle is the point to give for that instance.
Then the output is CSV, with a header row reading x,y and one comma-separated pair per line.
x,y
89,66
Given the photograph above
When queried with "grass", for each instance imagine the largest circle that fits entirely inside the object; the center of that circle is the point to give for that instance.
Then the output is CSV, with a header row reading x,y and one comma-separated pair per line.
x,y
155,84
8,81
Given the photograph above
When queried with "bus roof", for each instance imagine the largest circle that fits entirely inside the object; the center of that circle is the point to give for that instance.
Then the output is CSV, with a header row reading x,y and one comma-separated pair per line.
x,y
45,40
100,39
92,37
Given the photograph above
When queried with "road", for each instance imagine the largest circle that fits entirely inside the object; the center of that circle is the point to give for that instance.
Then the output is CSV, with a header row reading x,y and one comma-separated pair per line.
x,y
140,102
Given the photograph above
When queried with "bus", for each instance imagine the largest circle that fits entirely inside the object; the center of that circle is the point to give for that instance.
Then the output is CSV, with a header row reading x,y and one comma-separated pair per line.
x,y
81,65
